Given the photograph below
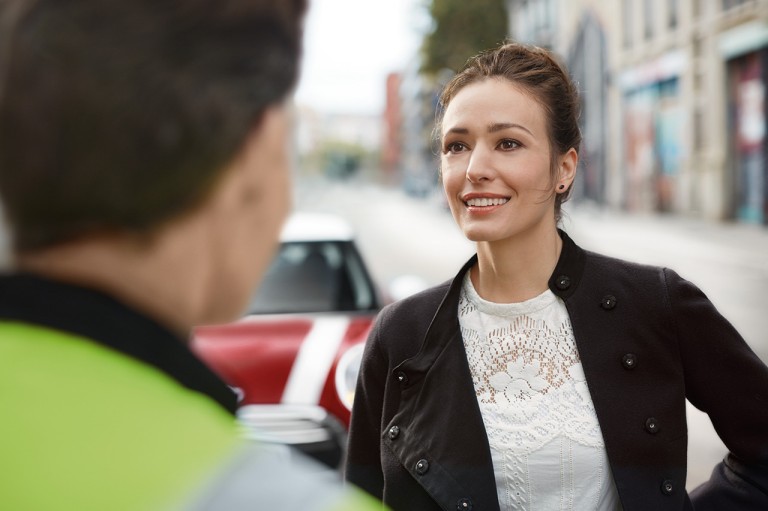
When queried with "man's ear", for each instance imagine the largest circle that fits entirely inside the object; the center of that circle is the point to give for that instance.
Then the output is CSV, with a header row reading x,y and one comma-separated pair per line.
x,y
248,157
261,164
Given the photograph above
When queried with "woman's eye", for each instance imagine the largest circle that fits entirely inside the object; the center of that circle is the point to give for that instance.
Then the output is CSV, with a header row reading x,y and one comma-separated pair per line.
x,y
509,145
454,147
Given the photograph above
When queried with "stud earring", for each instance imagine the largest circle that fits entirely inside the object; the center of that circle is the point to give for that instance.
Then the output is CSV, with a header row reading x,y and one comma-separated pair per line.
x,y
561,187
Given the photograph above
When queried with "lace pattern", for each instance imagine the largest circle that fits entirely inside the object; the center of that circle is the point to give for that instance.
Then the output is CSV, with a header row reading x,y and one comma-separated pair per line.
x,y
535,403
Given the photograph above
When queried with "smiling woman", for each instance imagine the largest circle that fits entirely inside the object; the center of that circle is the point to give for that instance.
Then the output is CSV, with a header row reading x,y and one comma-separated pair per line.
x,y
496,162
540,80
543,376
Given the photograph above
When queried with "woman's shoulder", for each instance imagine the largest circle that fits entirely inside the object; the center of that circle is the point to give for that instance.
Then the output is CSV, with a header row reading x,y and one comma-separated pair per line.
x,y
641,279
606,264
585,264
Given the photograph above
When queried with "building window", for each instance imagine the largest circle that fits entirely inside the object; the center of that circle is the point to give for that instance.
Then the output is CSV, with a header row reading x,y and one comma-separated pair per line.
x,y
627,22
648,18
673,7
698,129
540,20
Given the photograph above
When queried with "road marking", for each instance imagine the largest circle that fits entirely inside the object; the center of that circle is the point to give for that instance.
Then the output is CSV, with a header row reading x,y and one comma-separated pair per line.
x,y
314,361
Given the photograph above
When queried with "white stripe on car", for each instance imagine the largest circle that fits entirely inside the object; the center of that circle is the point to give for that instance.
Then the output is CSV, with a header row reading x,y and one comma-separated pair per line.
x,y
314,360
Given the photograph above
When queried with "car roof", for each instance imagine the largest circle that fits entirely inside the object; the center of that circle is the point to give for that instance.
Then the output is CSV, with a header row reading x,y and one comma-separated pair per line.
x,y
305,226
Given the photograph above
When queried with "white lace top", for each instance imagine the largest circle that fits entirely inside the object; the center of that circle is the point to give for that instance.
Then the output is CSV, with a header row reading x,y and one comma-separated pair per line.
x,y
546,444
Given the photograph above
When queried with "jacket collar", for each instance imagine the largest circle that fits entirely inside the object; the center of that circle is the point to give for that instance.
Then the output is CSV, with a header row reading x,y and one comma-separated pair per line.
x,y
563,282
569,269
99,317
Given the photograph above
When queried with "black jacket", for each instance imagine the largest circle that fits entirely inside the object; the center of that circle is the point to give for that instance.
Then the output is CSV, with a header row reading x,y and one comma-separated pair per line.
x,y
648,340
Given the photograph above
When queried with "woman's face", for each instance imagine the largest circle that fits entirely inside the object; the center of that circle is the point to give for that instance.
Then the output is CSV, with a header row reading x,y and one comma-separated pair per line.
x,y
496,163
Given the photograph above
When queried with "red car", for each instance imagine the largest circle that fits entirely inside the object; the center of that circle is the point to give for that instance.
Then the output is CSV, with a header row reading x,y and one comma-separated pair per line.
x,y
295,356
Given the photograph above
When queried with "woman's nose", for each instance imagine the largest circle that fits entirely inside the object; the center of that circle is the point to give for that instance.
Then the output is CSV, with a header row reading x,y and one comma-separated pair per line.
x,y
479,167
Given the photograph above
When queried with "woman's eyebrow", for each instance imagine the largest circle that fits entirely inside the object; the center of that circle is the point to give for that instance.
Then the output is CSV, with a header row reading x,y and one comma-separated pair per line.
x,y
500,126
492,128
460,131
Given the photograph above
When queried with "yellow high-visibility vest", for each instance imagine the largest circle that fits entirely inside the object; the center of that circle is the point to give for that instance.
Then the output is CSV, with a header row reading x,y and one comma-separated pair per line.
x,y
84,427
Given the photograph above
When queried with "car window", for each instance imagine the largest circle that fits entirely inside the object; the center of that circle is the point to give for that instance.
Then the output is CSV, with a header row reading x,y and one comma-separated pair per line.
x,y
324,276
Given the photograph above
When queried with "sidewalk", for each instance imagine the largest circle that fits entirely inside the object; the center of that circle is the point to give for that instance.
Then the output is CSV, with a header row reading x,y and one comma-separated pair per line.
x,y
668,237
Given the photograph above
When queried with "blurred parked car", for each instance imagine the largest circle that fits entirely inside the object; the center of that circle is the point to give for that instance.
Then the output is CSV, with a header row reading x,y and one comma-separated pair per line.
x,y
295,356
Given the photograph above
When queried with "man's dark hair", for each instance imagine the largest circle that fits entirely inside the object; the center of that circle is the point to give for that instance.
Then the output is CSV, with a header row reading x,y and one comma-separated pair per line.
x,y
118,115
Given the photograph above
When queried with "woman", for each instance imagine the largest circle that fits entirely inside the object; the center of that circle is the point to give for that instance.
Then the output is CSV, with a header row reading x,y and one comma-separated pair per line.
x,y
544,376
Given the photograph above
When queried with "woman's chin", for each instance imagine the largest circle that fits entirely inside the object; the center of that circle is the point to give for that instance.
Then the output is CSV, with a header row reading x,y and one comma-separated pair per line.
x,y
478,236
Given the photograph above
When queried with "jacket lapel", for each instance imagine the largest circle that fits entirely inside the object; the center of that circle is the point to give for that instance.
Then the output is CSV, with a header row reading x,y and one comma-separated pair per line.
x,y
440,436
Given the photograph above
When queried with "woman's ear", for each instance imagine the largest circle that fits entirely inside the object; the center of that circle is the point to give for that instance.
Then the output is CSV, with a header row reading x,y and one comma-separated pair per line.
x,y
567,169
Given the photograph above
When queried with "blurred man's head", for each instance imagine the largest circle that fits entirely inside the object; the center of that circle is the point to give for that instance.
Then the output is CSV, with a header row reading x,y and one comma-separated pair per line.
x,y
118,118
120,115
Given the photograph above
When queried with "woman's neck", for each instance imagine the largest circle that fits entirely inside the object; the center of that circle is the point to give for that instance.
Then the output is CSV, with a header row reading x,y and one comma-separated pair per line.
x,y
516,269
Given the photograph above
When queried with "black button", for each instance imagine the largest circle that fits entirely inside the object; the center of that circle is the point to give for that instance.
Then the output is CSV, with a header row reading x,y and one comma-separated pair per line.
x,y
652,426
629,361
668,487
394,432
421,467
608,302
464,504
563,282
402,377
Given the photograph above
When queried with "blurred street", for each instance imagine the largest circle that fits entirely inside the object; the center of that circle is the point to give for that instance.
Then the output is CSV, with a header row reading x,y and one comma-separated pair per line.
x,y
400,235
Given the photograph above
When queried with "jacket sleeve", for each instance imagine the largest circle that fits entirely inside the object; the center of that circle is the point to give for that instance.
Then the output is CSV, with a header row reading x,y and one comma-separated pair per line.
x,y
363,465
727,380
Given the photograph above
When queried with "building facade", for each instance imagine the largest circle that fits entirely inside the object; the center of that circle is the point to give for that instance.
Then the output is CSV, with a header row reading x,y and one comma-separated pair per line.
x,y
392,118
419,161
674,97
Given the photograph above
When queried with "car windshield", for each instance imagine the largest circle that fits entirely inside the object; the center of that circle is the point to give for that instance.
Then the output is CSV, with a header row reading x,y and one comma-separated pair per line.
x,y
324,276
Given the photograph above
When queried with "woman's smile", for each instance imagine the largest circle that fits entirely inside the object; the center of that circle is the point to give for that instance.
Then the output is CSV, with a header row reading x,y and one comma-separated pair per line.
x,y
479,204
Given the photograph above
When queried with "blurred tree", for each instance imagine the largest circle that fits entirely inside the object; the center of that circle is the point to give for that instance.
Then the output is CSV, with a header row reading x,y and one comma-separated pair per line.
x,y
461,29
340,159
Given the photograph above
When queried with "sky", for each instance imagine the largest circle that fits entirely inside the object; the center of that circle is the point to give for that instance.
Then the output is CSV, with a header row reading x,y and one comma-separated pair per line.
x,y
349,48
